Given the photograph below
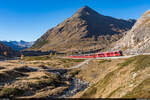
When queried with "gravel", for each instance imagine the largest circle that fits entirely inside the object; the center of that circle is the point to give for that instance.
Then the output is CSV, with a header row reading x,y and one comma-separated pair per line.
x,y
76,86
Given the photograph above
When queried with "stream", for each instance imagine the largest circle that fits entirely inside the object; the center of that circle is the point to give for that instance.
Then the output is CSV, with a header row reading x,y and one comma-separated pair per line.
x,y
76,86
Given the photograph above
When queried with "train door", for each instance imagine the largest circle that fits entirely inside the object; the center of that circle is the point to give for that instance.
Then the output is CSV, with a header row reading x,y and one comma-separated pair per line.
x,y
121,53
117,53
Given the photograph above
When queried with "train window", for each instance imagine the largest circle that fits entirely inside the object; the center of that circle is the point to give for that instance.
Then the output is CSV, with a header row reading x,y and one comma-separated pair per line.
x,y
100,54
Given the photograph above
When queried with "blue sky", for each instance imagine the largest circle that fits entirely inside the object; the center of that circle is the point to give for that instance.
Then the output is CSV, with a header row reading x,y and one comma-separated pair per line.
x,y
29,19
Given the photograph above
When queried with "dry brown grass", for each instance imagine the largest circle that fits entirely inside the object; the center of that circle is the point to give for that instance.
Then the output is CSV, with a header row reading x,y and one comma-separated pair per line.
x,y
20,80
108,78
120,80
51,61
97,69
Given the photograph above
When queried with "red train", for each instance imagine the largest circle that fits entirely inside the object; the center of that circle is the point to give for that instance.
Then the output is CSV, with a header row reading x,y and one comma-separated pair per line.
x,y
104,54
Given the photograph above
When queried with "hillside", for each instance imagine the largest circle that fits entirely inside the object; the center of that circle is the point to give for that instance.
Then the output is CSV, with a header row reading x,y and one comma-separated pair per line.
x,y
7,51
36,79
47,77
137,40
125,78
86,28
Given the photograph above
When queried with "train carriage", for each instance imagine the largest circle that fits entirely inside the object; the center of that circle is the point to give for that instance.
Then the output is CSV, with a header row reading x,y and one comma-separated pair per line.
x,y
98,55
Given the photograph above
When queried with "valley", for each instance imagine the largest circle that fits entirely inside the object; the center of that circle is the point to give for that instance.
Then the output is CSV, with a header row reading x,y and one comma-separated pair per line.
x,y
55,77
87,55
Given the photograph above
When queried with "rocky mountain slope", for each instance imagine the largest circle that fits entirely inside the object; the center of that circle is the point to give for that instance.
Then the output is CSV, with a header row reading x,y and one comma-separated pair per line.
x,y
86,28
7,51
137,40
18,45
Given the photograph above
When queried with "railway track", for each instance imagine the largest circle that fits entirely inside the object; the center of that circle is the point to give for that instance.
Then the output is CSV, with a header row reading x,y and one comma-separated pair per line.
x,y
89,59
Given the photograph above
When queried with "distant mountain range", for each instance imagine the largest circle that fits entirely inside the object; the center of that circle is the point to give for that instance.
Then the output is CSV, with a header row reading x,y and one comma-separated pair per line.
x,y
84,30
7,51
18,45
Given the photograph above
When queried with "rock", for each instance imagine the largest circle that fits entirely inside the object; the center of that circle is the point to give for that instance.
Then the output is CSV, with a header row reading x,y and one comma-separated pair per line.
x,y
134,75
137,40
76,86
122,94
131,85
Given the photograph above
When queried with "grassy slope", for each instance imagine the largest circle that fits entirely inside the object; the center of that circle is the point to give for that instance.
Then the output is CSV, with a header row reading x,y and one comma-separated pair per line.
x,y
52,61
108,85
108,78
141,91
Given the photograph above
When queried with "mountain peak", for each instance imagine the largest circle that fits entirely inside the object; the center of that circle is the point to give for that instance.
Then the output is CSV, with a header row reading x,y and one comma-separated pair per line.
x,y
85,9
85,25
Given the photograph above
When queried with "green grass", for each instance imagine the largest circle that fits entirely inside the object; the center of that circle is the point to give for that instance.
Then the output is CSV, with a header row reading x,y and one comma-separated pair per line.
x,y
141,62
91,91
103,61
126,62
32,58
99,85
11,92
141,91
72,60
69,62
107,79
113,92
